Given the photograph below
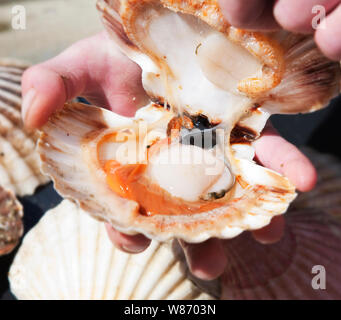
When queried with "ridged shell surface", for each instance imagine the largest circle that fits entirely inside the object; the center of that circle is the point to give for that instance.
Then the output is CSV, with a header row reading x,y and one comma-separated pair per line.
x,y
19,162
327,194
11,225
295,76
68,255
68,149
305,264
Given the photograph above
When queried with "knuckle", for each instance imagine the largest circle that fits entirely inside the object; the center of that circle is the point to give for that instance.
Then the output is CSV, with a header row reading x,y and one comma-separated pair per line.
x,y
291,18
332,50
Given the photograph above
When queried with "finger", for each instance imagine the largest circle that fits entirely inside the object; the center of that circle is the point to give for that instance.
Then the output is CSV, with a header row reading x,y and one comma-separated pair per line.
x,y
271,233
249,14
329,38
206,260
297,16
44,91
275,153
127,243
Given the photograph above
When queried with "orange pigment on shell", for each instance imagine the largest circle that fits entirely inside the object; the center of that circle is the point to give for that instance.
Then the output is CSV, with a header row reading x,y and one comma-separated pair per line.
x,y
128,182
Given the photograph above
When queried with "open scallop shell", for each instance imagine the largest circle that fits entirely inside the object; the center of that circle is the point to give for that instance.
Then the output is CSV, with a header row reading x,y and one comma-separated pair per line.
x,y
178,45
68,148
68,255
19,162
11,226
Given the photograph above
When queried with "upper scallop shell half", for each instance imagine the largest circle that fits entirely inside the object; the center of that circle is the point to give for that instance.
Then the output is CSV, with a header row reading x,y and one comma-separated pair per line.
x,y
195,61
19,162
68,255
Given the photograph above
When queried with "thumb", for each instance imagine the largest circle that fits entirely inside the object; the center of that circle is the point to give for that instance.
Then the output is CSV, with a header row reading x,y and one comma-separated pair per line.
x,y
46,88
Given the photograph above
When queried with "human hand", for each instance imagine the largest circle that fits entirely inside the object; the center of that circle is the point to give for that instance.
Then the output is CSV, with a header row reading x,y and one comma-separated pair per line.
x,y
292,15
95,69
92,68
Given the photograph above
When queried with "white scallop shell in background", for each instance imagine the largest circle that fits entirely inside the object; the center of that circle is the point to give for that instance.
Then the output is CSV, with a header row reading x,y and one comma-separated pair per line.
x,y
19,162
68,255
11,226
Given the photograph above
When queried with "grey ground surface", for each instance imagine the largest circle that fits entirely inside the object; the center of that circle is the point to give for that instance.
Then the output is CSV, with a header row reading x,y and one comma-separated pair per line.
x,y
51,26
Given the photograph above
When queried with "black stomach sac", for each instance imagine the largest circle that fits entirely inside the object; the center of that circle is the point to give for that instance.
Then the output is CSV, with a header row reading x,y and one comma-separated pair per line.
x,y
203,134
206,139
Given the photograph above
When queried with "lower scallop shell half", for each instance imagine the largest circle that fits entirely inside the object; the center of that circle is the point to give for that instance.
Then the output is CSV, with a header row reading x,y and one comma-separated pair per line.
x,y
11,226
19,162
305,264
68,255
69,148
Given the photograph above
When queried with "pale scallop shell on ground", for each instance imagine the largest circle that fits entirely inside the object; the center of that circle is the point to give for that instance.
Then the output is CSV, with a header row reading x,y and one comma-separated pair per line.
x,y
312,239
19,162
11,225
68,255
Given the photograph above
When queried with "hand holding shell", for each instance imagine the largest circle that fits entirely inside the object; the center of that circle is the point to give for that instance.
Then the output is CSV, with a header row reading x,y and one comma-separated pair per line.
x,y
273,73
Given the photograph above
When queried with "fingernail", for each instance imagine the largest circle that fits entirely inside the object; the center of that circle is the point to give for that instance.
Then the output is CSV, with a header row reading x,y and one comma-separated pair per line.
x,y
136,246
133,248
27,102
